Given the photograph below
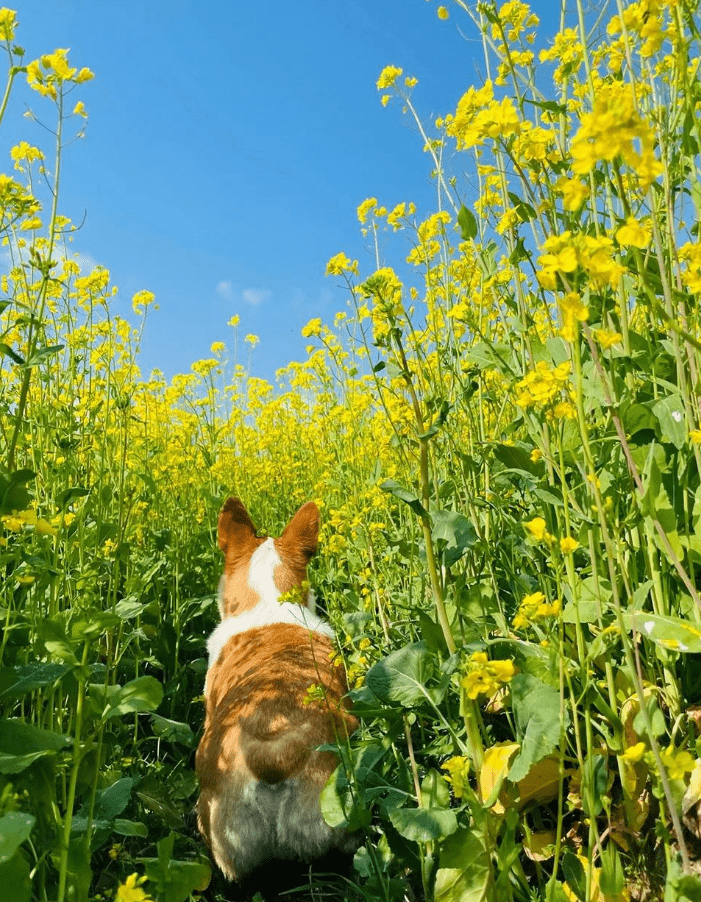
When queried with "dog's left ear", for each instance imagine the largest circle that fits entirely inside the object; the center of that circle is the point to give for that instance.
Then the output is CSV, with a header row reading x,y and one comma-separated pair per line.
x,y
235,525
302,532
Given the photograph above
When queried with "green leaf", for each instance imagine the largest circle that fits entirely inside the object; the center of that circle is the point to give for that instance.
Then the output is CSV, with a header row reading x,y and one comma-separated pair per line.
x,y
139,696
670,413
173,880
13,494
434,790
672,633
130,828
573,870
173,730
42,354
15,827
32,676
15,878
410,498
467,223
401,677
423,824
438,423
7,351
21,744
536,707
455,531
154,795
464,873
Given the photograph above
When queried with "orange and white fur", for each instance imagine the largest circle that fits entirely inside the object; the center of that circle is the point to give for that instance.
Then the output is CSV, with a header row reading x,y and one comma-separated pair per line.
x,y
259,769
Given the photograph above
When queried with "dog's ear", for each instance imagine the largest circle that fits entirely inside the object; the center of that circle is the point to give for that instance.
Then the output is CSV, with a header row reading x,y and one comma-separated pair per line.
x,y
235,525
302,532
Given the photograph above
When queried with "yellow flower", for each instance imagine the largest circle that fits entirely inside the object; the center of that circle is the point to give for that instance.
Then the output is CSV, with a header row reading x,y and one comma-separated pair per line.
x,y
535,607
79,110
536,527
484,677
458,769
252,340
574,193
634,754
388,76
312,329
631,232
217,347
606,338
536,455
366,208
8,23
568,545
234,321
130,890
341,263
442,12
141,301
695,436
677,763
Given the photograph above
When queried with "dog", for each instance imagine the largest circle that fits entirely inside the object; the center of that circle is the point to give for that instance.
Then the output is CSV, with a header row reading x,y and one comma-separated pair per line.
x,y
273,694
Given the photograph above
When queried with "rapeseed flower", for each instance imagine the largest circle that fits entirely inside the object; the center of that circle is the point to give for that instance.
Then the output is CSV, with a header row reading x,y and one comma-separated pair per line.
x,y
130,890
484,677
677,762
458,768
8,23
535,607
340,264
388,76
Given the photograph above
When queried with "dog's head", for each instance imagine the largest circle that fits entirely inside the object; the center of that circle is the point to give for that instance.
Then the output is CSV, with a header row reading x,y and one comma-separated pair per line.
x,y
258,568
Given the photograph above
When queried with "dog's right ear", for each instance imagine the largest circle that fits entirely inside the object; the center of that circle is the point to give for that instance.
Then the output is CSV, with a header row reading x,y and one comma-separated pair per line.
x,y
235,525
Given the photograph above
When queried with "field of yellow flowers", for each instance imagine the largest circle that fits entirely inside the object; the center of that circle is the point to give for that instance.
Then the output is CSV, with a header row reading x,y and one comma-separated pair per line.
x,y
503,431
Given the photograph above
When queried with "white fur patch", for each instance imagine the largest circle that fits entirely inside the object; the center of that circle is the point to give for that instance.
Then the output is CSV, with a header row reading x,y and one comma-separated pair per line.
x,y
269,610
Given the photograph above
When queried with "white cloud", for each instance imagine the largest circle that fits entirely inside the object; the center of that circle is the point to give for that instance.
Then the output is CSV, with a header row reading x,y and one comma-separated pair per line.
x,y
255,296
225,289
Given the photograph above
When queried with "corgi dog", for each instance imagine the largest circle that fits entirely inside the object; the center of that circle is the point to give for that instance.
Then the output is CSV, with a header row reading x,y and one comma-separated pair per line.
x,y
273,694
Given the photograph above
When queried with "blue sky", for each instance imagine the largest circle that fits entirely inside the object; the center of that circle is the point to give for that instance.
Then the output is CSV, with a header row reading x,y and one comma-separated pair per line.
x,y
229,144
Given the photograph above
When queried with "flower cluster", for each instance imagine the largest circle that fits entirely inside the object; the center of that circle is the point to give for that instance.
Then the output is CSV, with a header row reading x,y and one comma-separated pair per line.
x,y
535,607
485,677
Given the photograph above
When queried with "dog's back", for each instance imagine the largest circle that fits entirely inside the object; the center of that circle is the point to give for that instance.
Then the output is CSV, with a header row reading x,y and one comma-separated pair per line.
x,y
273,694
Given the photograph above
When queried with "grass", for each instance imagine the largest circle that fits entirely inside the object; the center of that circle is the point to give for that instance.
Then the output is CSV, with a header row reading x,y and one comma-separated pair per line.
x,y
502,431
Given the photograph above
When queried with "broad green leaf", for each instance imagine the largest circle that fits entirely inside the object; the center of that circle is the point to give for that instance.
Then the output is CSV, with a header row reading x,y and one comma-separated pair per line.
x,y
172,730
112,801
128,608
401,677
464,873
670,413
423,824
15,827
175,881
130,828
405,495
137,697
21,744
438,423
154,796
32,676
670,632
536,707
42,354
455,531
13,494
15,878
434,790
467,223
